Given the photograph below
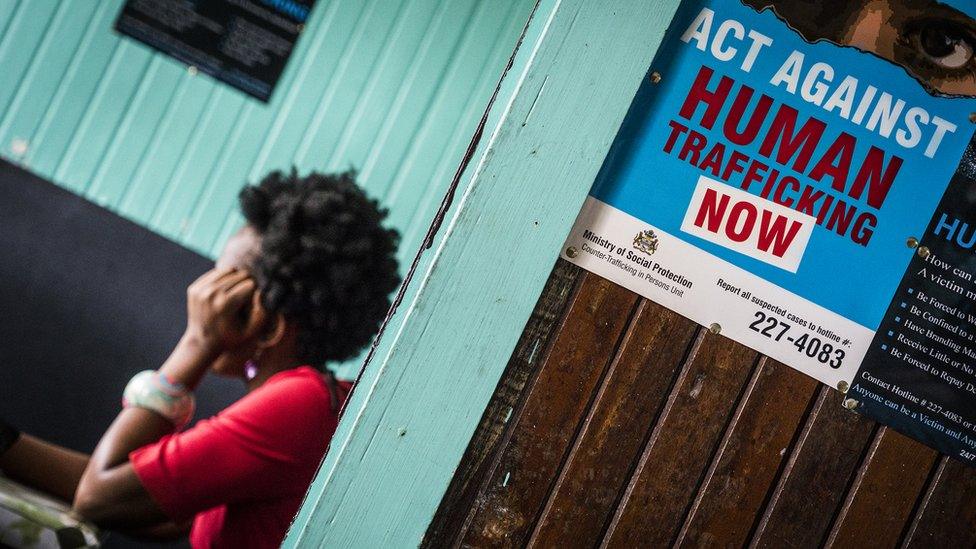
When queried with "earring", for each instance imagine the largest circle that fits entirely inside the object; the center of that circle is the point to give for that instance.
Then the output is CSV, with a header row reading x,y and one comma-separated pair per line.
x,y
251,366
250,369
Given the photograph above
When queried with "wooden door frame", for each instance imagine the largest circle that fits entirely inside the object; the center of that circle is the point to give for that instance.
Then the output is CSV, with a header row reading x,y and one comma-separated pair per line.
x,y
554,115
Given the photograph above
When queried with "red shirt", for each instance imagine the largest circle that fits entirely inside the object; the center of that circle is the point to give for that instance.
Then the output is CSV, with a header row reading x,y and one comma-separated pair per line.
x,y
244,472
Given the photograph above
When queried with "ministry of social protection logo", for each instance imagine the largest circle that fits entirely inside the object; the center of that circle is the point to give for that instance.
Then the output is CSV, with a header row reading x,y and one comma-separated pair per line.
x,y
646,241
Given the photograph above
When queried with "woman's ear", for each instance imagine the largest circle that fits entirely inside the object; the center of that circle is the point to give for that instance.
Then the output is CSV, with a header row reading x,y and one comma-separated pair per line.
x,y
255,317
267,329
273,333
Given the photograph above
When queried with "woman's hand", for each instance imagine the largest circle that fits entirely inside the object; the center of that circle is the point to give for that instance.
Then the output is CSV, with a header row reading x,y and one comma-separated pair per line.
x,y
222,311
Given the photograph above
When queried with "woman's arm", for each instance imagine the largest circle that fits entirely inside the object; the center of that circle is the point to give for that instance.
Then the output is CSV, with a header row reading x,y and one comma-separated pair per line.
x,y
48,467
110,493
56,470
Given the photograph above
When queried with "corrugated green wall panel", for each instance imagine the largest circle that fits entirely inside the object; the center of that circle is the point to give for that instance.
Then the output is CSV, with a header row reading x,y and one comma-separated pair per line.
x,y
392,88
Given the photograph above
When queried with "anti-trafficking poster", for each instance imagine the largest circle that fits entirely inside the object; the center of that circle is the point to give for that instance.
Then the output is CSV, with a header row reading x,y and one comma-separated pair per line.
x,y
792,174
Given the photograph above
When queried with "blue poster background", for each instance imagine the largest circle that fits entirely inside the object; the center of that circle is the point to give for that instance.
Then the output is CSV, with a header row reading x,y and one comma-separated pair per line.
x,y
852,280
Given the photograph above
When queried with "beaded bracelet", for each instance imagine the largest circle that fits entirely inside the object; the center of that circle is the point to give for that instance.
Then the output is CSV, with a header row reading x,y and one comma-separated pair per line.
x,y
151,390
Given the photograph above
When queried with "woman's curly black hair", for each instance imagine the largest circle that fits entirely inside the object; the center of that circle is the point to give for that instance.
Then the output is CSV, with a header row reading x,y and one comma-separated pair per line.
x,y
326,261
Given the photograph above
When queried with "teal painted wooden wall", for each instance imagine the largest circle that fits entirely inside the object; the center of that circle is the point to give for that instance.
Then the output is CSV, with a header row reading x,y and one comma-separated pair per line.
x,y
393,88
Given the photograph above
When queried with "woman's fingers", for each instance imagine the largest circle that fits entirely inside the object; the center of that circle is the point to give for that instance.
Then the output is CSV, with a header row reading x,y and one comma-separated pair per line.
x,y
240,293
217,282
229,279
206,279
217,306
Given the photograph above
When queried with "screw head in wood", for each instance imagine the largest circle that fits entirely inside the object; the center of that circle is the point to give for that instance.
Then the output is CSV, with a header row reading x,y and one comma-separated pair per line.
x,y
571,252
715,328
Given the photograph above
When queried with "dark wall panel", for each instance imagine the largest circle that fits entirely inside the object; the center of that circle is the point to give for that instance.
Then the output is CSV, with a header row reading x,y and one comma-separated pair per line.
x,y
86,300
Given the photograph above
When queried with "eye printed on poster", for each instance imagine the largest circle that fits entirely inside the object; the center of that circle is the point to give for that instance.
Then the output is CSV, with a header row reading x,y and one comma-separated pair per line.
x,y
798,175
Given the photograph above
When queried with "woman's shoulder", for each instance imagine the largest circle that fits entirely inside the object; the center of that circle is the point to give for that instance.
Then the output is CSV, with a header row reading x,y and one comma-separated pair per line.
x,y
302,377
290,418
296,395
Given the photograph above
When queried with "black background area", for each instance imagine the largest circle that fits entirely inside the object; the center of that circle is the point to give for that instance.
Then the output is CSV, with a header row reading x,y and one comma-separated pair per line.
x,y
87,299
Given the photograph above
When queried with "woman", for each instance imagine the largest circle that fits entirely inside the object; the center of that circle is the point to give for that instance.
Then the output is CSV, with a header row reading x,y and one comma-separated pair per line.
x,y
305,281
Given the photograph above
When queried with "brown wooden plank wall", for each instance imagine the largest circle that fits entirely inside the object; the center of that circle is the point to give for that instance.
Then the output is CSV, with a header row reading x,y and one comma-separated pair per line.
x,y
622,424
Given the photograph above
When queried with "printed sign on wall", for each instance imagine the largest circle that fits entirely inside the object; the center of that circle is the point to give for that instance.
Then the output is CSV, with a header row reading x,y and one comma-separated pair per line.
x,y
773,179
244,43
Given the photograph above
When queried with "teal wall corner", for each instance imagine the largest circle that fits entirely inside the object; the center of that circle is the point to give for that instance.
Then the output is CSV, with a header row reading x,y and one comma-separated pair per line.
x,y
413,412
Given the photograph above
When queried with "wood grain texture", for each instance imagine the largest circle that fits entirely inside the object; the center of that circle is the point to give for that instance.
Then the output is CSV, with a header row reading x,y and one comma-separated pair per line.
x,y
422,396
631,396
682,443
821,466
880,501
947,515
756,444
544,428
707,446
